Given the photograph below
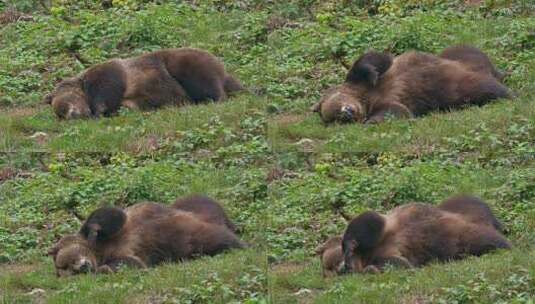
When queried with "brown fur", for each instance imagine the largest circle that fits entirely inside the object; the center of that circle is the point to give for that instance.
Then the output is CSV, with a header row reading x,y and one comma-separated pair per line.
x,y
474,59
206,209
151,234
72,255
149,81
331,256
472,209
412,84
416,234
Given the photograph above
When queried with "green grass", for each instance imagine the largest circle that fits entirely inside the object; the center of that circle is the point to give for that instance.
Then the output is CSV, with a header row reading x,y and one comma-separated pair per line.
x,y
125,132
233,275
463,281
274,166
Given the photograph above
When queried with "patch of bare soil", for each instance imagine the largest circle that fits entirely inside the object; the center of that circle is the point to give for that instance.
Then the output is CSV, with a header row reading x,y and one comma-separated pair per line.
x,y
473,2
415,299
148,144
277,173
21,111
11,15
18,269
8,173
288,119
287,268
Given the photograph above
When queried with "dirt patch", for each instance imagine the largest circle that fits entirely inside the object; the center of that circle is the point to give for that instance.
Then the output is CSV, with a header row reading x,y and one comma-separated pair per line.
x,y
21,112
473,2
18,269
149,299
11,15
288,119
306,296
41,138
415,299
275,22
148,144
287,268
277,173
8,173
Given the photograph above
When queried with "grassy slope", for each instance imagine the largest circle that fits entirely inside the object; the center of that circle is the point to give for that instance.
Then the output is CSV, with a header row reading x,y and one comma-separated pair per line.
x,y
249,153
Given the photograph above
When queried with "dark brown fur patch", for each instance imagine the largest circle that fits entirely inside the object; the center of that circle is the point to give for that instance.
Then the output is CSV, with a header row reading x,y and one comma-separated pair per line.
x,y
105,85
366,230
473,209
205,209
369,67
473,58
102,224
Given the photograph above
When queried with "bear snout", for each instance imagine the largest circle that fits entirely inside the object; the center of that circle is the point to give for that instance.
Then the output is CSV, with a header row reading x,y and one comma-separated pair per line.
x,y
76,113
347,114
84,266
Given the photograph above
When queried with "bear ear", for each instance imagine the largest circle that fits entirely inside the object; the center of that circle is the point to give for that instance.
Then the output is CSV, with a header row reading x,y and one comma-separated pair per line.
x,y
369,67
48,99
103,224
91,233
363,73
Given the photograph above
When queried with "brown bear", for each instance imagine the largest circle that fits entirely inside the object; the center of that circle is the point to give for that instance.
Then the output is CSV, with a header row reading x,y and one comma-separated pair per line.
x,y
165,77
379,85
331,256
143,235
415,234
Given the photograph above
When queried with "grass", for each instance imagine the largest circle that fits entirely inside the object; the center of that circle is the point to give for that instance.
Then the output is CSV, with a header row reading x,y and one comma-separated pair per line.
x,y
118,133
226,277
274,166
435,283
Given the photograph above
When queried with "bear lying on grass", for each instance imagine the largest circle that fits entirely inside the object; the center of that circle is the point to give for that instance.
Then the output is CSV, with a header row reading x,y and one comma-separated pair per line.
x,y
145,234
149,81
413,235
379,85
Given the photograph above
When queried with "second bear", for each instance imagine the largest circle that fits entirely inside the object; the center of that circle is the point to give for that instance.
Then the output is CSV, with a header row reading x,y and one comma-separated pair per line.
x,y
379,85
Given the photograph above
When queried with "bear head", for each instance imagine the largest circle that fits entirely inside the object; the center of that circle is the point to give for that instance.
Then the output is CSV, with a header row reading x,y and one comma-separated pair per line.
x,y
347,103
69,100
72,255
